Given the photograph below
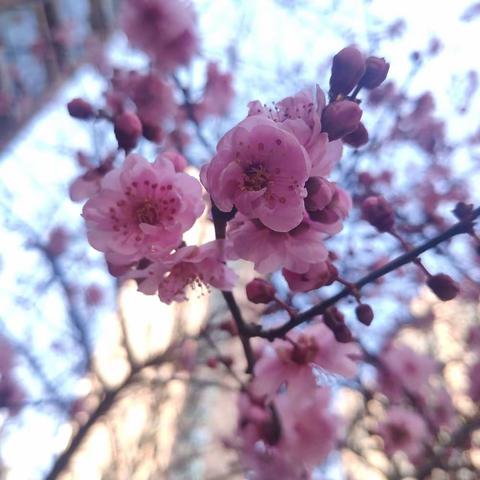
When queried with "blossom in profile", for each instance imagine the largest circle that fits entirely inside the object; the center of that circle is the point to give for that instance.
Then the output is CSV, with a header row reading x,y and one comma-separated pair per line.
x,y
296,250
405,431
318,275
189,268
164,29
260,169
142,210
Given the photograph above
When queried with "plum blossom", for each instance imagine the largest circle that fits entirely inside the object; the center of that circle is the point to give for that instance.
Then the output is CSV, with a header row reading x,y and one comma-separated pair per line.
x,y
164,29
291,361
260,169
296,250
142,210
405,431
189,267
288,437
301,115
402,368
218,93
318,275
327,204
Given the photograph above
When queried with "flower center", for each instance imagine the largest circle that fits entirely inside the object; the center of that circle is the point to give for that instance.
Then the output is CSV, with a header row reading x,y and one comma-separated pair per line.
x,y
147,212
255,177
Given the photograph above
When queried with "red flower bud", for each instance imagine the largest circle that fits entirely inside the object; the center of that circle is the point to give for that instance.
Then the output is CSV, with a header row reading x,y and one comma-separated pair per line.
x,y
128,129
364,313
341,118
335,321
260,291
463,210
358,137
80,108
375,74
212,362
152,132
443,286
378,212
348,67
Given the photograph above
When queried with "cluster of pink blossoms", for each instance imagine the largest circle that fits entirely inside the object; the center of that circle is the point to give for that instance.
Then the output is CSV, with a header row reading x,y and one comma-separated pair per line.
x,y
285,425
138,218
272,169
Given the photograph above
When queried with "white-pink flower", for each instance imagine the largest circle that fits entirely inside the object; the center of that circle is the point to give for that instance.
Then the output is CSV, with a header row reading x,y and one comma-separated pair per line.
x,y
291,361
295,250
142,210
261,169
188,268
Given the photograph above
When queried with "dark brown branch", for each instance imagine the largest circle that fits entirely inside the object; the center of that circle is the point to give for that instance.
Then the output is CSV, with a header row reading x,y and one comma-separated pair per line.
x,y
464,226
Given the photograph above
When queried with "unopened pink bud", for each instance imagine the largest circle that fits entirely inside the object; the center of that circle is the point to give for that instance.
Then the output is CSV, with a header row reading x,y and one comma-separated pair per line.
x,y
443,286
348,67
358,137
128,129
152,132
375,73
341,118
260,291
364,313
81,109
378,212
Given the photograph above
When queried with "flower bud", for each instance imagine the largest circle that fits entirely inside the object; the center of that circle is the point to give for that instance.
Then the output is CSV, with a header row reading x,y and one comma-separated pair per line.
x,y
81,109
348,67
341,118
152,132
443,286
260,291
212,362
128,130
463,210
358,137
378,212
335,321
375,73
364,313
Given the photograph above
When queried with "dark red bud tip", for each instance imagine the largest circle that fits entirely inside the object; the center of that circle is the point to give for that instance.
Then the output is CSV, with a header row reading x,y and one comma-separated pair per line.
x,y
260,291
443,286
348,67
152,132
212,362
81,109
375,73
364,313
343,334
128,129
358,137
378,212
341,118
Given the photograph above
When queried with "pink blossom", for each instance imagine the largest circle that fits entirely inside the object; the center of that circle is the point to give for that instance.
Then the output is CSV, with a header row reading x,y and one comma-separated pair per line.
x,y
261,169
189,267
310,429
318,275
301,115
291,361
142,210
474,374
295,250
218,93
402,368
327,204
88,184
404,431
58,240
440,409
164,29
